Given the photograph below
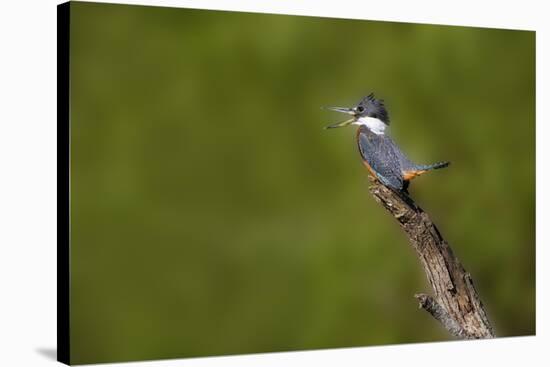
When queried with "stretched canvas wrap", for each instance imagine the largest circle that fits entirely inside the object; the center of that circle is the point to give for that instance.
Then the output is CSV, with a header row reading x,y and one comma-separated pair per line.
x,y
204,210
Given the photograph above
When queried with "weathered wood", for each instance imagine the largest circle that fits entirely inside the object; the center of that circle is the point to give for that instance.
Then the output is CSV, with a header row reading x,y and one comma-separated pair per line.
x,y
456,304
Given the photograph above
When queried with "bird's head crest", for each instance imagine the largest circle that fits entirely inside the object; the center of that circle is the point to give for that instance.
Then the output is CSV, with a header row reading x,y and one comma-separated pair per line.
x,y
369,106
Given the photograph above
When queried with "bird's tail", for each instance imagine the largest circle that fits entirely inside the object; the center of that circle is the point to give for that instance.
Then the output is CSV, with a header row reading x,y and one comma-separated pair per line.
x,y
438,165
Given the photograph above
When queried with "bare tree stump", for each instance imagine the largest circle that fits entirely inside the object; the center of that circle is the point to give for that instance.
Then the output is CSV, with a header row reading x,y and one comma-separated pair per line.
x,y
455,304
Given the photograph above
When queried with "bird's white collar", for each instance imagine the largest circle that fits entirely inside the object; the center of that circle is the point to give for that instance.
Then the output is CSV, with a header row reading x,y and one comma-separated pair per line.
x,y
372,123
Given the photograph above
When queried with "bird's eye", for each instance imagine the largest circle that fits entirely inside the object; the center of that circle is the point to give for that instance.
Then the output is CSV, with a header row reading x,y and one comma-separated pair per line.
x,y
360,109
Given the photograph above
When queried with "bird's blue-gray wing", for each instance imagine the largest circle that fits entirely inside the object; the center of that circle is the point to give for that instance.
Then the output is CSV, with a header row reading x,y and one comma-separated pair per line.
x,y
379,153
405,163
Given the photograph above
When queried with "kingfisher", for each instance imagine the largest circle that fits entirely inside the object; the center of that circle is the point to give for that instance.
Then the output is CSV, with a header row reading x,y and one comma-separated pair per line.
x,y
380,155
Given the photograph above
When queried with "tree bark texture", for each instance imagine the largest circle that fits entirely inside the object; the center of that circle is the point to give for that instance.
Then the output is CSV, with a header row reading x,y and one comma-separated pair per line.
x,y
455,302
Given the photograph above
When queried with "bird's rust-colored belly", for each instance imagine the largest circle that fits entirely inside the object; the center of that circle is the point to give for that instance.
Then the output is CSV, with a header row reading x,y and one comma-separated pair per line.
x,y
372,172
409,175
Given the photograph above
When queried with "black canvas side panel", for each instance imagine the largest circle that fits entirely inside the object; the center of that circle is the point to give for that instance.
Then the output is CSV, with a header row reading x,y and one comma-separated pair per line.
x,y
63,150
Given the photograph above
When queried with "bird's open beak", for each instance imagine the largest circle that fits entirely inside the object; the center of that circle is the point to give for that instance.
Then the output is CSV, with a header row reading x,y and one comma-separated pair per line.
x,y
340,124
349,111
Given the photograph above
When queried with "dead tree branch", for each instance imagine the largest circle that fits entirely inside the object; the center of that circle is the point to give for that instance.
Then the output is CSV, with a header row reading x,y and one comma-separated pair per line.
x,y
456,304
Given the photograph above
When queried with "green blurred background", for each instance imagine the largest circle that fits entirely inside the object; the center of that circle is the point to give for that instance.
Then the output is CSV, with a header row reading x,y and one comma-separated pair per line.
x,y
212,214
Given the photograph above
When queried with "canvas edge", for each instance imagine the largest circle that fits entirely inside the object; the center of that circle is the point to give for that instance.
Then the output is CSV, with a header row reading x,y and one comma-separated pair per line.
x,y
63,193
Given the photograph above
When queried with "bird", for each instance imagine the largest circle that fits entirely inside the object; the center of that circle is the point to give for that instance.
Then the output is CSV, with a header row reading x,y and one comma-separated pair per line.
x,y
380,155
